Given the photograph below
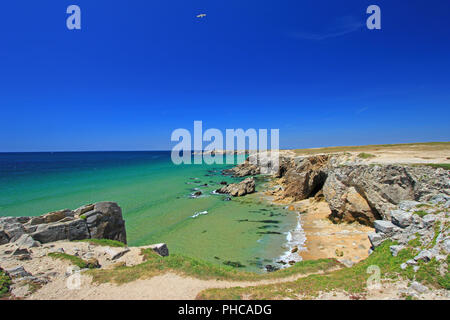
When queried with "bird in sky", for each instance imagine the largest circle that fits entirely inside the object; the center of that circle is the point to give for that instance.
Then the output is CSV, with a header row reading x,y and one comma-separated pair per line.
x,y
202,15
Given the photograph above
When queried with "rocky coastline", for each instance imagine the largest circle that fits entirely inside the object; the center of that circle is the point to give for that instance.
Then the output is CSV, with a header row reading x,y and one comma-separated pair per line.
x,y
347,207
357,196
355,190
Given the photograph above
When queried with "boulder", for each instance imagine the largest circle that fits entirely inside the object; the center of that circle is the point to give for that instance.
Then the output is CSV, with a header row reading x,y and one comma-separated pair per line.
x,y
116,253
353,207
72,230
420,288
401,218
4,239
386,227
160,248
429,220
102,220
239,189
27,241
407,205
17,272
375,239
108,222
396,249
440,199
424,255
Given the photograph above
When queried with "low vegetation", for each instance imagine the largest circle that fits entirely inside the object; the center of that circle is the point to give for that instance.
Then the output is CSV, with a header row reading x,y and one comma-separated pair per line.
x,y
103,242
351,280
77,261
364,155
445,166
421,213
155,265
5,282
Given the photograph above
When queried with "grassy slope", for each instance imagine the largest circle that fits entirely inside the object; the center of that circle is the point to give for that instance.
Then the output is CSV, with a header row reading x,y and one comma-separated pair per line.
x,y
155,265
5,282
82,264
352,280
429,146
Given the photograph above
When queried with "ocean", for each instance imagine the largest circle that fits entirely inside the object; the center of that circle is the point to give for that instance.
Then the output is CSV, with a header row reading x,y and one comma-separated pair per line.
x,y
156,199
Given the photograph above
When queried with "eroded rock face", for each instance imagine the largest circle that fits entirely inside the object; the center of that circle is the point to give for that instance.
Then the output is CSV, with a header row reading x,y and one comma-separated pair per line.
x,y
102,220
239,189
382,187
303,176
351,206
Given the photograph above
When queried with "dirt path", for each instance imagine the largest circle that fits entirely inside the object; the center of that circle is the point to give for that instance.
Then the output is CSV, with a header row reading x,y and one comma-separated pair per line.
x,y
169,286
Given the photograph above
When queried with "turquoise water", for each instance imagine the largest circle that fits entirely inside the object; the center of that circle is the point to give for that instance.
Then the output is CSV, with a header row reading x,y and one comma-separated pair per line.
x,y
155,196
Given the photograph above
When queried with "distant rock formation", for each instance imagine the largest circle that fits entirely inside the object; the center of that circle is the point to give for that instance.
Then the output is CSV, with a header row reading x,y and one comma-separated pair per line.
x,y
239,189
102,220
243,170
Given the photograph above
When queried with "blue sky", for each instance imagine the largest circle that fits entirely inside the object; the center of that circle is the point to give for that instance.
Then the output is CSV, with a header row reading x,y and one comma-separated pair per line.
x,y
139,69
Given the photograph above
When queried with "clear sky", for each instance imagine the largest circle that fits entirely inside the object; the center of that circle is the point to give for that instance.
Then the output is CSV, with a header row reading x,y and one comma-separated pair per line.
x,y
139,69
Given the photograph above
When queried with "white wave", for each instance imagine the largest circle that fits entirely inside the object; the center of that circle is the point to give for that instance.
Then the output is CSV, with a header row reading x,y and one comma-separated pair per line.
x,y
199,214
294,238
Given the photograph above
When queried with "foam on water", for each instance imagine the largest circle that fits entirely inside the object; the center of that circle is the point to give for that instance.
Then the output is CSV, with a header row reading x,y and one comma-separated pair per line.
x,y
294,238
199,214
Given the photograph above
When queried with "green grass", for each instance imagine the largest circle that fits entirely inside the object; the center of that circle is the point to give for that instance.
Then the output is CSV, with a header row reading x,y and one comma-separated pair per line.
x,y
103,242
437,230
364,155
415,242
430,275
77,261
421,213
156,265
5,282
445,166
352,280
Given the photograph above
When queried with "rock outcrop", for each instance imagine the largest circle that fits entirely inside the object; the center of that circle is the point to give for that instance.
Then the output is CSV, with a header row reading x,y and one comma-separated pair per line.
x,y
239,189
243,170
303,176
102,220
423,226
375,190
355,190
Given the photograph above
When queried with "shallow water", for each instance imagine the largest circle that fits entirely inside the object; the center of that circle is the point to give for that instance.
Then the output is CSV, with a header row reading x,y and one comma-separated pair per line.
x,y
155,196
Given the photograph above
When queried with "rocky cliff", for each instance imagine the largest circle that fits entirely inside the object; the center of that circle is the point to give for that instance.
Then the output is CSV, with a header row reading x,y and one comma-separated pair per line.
x,y
355,190
102,220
